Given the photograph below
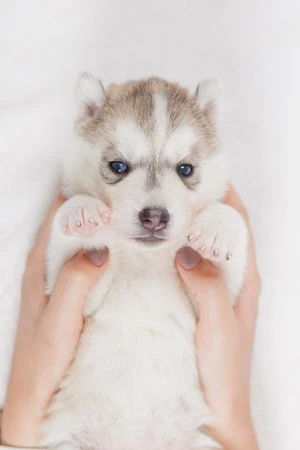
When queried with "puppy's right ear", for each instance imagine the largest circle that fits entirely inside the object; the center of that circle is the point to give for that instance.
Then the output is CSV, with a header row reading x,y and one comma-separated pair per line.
x,y
208,96
89,96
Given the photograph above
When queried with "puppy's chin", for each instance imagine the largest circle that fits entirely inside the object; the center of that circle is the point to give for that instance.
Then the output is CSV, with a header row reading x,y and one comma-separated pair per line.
x,y
152,246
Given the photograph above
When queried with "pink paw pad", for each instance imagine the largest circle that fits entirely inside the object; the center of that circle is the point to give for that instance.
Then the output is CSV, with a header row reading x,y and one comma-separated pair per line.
x,y
84,221
210,248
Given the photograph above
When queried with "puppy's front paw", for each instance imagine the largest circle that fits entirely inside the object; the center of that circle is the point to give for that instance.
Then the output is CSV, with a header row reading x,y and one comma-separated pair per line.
x,y
218,233
84,220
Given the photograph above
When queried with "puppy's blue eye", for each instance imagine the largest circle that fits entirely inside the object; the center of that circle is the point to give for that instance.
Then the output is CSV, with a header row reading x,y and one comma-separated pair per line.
x,y
119,167
185,170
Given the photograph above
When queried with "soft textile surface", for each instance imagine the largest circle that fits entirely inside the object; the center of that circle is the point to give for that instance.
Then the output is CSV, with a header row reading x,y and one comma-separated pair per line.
x,y
252,46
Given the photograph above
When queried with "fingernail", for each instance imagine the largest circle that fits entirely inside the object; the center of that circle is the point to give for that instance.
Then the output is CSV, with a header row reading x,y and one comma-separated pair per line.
x,y
97,257
188,258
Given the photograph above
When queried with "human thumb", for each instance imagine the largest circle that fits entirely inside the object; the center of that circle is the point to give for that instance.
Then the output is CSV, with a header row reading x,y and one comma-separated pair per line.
x,y
206,284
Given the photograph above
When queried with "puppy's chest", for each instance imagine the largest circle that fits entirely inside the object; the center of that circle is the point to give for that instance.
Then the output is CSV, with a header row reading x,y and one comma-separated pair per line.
x,y
145,288
143,324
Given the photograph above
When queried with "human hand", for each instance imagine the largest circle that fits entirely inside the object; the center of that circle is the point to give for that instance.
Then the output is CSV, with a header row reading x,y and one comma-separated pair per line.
x,y
48,332
224,339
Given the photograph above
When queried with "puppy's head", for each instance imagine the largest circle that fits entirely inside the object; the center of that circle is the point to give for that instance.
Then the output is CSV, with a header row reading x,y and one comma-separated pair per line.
x,y
150,150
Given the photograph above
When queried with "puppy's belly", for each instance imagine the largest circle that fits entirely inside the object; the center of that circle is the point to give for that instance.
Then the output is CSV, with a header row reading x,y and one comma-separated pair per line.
x,y
134,384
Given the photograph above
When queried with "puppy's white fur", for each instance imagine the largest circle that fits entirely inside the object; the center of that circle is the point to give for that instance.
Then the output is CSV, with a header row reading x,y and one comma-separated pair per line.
x,y
134,382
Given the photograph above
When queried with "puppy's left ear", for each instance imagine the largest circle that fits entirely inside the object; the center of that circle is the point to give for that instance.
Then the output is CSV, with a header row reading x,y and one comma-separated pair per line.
x,y
209,97
89,96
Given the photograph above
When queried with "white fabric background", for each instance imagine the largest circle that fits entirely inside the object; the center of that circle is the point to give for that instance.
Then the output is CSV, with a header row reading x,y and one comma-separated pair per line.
x,y
253,46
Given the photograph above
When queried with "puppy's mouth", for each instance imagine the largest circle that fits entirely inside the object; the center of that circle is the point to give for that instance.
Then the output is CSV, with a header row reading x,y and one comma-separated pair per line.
x,y
150,239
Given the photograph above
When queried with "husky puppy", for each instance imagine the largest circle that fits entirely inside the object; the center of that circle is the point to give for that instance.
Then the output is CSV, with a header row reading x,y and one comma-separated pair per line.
x,y
146,178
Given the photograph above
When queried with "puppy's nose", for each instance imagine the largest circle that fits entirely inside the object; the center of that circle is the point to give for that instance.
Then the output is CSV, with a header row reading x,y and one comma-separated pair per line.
x,y
154,219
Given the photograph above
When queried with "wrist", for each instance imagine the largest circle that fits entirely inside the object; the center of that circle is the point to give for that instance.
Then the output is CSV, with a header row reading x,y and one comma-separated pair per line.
x,y
20,429
21,420
238,434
